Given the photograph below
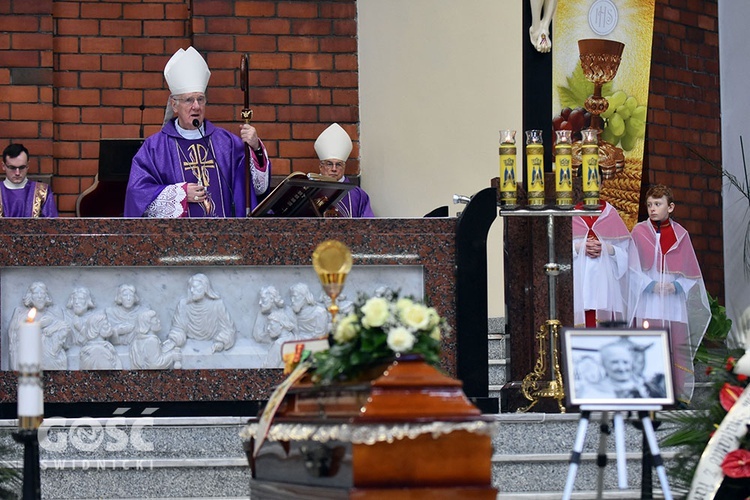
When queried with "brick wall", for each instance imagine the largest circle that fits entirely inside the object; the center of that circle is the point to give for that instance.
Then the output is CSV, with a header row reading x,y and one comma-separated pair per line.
x,y
685,114
72,72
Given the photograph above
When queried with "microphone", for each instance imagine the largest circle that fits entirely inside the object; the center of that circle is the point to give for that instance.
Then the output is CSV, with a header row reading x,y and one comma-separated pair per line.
x,y
197,124
142,107
658,227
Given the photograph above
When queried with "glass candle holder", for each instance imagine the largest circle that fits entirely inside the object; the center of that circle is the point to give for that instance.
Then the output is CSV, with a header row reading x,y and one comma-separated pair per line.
x,y
590,167
534,168
508,172
563,169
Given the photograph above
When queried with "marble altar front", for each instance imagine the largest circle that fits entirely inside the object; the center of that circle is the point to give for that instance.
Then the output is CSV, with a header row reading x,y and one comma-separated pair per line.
x,y
85,264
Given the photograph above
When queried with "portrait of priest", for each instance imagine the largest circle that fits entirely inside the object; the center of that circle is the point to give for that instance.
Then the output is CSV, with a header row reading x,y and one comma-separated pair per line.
x,y
333,147
192,168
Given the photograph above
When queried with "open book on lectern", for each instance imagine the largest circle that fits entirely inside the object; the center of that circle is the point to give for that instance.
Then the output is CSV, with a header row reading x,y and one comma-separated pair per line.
x,y
302,195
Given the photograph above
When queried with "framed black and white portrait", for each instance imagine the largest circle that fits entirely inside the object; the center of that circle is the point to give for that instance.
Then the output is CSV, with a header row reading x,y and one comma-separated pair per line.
x,y
617,367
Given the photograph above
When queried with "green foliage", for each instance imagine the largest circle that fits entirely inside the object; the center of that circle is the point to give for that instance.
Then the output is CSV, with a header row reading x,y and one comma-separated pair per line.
x,y
358,345
578,89
716,333
10,477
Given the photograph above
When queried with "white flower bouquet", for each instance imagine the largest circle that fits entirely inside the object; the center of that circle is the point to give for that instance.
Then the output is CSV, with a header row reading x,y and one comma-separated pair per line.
x,y
377,331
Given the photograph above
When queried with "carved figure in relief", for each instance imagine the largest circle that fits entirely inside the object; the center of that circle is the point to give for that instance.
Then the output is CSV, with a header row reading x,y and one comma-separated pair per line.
x,y
47,315
312,318
123,316
270,300
97,352
54,355
202,315
280,327
147,352
540,23
80,306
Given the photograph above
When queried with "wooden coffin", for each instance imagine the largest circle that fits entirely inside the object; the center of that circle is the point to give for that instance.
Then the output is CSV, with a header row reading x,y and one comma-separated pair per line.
x,y
406,431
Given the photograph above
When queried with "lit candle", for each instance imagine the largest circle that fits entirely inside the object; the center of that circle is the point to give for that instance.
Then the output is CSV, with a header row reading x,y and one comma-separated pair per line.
x,y
30,393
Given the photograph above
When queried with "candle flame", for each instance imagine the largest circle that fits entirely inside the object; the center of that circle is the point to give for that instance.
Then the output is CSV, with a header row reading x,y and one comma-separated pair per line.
x,y
645,324
31,316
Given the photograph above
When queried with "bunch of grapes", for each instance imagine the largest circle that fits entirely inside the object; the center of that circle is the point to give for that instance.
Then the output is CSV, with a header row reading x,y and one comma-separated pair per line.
x,y
625,120
572,119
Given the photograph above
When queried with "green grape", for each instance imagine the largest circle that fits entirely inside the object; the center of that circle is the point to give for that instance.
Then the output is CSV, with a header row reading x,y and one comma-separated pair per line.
x,y
607,114
640,113
631,102
624,112
628,142
617,99
635,127
617,125
608,136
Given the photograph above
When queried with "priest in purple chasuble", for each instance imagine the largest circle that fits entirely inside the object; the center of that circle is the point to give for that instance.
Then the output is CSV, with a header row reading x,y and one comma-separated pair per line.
x,y
333,147
19,196
192,168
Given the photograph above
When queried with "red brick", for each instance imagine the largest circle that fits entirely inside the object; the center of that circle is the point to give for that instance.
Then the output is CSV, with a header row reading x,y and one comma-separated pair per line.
x,y
31,41
17,23
20,59
123,97
76,97
254,9
4,111
143,11
101,115
310,27
311,96
66,114
213,44
298,78
101,80
145,46
345,62
66,79
339,79
312,61
255,43
21,93
101,45
339,114
66,9
230,25
339,44
121,28
179,11
78,27
28,112
142,80
298,114
212,8
4,41
18,129
294,149
66,149
298,9
37,7
345,97
298,44
77,166
66,185
348,28
65,44
270,61
164,28
101,10
122,63
70,62
270,26
341,10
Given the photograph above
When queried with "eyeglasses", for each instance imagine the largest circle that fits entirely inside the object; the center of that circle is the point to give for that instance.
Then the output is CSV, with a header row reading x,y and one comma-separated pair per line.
x,y
18,168
331,164
191,100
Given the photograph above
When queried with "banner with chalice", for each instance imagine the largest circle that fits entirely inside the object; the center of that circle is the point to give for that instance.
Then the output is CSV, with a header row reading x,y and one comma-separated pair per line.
x,y
601,66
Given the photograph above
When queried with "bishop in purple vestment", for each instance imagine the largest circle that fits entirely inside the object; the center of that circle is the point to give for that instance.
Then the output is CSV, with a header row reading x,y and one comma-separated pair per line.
x,y
191,168
333,147
20,197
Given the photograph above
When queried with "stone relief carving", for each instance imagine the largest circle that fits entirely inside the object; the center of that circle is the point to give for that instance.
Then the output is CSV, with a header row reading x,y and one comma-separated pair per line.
x,y
202,315
213,324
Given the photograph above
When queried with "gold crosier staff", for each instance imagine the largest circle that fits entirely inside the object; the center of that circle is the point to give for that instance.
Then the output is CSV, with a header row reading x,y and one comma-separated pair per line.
x,y
247,115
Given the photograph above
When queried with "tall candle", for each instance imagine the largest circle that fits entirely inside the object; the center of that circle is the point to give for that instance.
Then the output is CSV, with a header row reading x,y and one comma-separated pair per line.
x,y
30,393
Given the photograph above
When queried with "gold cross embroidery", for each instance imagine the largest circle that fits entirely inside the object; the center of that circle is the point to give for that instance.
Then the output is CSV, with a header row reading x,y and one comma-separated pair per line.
x,y
198,163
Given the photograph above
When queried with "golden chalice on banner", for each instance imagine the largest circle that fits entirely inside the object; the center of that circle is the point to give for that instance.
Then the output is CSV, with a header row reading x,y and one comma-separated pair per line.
x,y
600,60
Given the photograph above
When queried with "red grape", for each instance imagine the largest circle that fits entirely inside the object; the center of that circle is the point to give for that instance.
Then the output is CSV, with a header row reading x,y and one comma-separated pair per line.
x,y
565,113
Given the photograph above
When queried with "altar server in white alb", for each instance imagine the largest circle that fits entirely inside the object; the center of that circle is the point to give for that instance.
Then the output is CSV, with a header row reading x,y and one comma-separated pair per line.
x,y
333,147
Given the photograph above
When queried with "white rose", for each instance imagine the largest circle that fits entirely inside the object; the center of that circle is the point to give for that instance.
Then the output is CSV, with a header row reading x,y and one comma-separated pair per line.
x,y
376,312
346,329
415,316
400,339
435,334
434,317
402,304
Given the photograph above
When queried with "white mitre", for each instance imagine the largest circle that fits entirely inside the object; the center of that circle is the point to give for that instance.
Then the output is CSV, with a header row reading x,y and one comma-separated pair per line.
x,y
333,143
186,72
